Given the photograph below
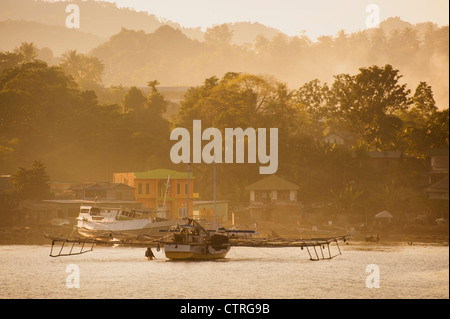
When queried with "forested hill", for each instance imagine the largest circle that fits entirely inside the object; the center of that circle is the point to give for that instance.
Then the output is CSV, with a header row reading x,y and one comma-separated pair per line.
x,y
57,38
137,46
420,53
96,17
103,19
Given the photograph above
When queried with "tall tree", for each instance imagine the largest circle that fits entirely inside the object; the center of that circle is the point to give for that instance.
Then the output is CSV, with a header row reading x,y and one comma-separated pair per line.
x,y
133,100
86,70
369,103
313,96
28,51
32,183
423,100
157,105
9,60
219,34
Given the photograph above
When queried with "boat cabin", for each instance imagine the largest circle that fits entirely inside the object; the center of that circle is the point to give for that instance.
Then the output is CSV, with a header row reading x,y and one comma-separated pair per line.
x,y
90,213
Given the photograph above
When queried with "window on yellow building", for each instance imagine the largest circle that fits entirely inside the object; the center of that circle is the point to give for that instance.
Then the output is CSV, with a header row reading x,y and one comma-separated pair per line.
x,y
182,212
147,188
140,188
178,188
162,188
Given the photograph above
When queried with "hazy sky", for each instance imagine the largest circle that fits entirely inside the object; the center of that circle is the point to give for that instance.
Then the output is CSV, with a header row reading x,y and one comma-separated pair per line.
x,y
320,17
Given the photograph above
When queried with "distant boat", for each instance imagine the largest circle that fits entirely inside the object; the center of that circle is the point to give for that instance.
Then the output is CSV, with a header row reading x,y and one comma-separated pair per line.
x,y
192,241
95,222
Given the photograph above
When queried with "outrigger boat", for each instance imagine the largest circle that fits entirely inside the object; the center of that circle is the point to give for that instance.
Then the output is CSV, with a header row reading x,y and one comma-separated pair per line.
x,y
192,241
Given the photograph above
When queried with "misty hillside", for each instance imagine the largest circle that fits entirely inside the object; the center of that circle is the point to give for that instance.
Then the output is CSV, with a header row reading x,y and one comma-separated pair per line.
x,y
100,18
134,57
246,32
136,47
57,38
104,19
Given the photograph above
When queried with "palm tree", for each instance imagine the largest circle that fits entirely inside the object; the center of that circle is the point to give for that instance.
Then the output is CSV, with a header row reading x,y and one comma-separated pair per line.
x,y
28,51
71,62
86,70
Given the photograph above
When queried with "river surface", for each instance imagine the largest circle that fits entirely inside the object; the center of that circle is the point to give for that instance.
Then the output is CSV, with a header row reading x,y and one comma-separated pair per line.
x,y
398,270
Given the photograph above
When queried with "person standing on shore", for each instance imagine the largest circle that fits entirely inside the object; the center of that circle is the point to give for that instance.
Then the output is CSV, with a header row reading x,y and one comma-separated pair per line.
x,y
149,253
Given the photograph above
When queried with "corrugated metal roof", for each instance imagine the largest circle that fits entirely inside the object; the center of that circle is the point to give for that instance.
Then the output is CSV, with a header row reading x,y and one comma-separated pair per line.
x,y
272,182
384,214
163,174
99,186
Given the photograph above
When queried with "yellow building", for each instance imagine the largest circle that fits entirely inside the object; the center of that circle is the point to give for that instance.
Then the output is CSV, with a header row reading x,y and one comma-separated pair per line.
x,y
150,188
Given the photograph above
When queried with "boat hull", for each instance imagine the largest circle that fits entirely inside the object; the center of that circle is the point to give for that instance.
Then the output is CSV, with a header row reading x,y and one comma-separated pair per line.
x,y
126,229
195,252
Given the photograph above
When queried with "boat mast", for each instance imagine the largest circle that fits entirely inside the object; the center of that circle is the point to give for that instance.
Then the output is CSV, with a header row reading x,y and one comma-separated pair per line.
x,y
215,224
187,206
165,196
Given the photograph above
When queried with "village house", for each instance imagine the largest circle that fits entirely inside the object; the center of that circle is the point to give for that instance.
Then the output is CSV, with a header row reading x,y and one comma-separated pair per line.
x,y
438,181
273,199
439,190
204,210
380,160
9,203
437,161
150,190
103,190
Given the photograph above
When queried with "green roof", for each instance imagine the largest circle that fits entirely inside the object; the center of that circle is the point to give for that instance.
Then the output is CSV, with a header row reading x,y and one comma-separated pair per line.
x,y
163,174
272,182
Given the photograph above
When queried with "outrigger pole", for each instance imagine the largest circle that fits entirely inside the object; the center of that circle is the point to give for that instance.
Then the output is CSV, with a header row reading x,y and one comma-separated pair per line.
x,y
78,246
321,244
314,243
72,243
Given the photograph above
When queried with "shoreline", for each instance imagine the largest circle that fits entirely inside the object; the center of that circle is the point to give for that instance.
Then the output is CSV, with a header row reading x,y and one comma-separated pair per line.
x,y
34,235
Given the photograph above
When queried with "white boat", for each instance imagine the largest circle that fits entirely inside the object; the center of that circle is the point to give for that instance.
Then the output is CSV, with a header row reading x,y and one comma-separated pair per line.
x,y
96,222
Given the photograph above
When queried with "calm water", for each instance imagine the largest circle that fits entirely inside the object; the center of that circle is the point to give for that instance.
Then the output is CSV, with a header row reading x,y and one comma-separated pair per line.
x,y
419,271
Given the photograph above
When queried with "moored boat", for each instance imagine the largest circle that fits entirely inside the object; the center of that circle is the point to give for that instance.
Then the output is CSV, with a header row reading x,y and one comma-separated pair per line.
x,y
192,241
96,222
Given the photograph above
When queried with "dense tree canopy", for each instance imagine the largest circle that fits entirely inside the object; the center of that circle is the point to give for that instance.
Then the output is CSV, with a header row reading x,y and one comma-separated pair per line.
x,y
420,52
32,183
47,113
